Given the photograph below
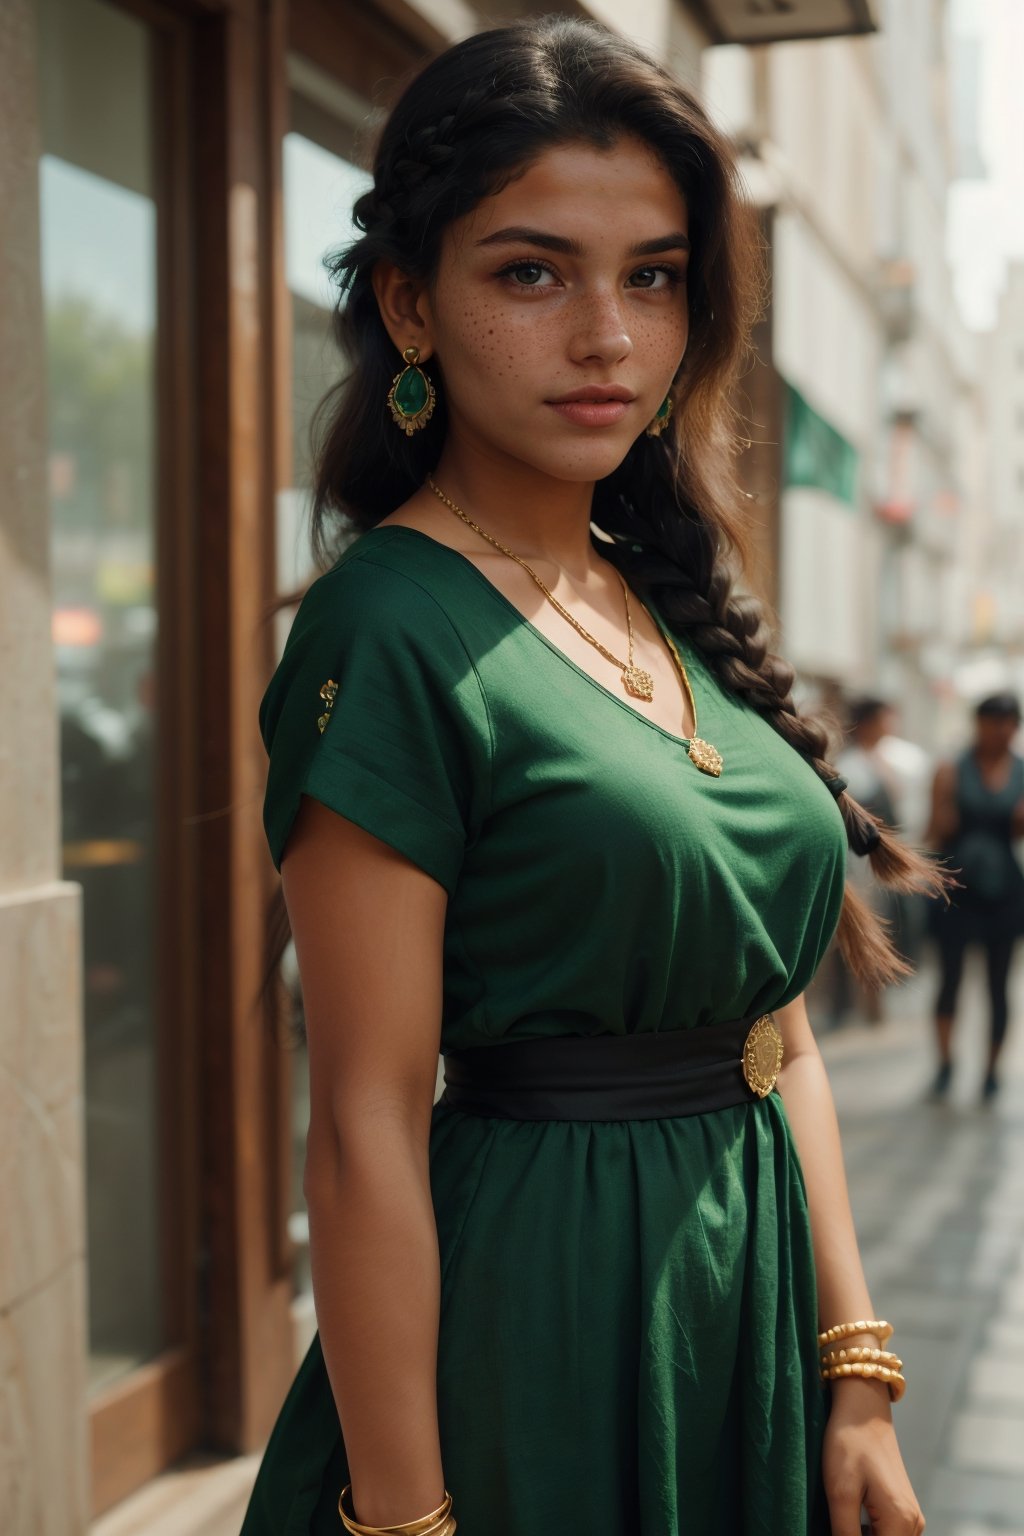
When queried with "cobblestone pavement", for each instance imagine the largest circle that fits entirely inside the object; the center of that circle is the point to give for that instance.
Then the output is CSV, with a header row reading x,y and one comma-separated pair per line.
x,y
938,1199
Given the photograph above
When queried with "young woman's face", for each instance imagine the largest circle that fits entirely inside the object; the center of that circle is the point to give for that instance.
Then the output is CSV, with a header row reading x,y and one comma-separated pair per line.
x,y
571,281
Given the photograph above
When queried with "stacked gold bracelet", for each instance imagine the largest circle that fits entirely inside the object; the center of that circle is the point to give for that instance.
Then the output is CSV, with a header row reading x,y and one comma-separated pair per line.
x,y
878,1364
880,1329
439,1522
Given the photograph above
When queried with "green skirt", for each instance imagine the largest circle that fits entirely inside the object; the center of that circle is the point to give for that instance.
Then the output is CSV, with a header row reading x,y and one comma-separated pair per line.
x,y
627,1343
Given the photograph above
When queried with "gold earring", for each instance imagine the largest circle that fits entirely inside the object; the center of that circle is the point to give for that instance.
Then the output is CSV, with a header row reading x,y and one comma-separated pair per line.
x,y
661,420
411,398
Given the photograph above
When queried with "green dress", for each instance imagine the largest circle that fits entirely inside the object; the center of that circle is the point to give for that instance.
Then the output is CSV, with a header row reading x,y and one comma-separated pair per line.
x,y
627,1341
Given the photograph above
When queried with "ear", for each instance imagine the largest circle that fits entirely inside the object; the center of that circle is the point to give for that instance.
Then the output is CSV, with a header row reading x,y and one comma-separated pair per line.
x,y
404,308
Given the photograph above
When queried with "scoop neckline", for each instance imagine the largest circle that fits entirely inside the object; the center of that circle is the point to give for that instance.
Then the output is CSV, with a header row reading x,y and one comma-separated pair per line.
x,y
427,538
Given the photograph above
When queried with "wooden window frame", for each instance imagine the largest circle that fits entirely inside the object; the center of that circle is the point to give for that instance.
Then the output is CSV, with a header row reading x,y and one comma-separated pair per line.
x,y
148,1418
224,391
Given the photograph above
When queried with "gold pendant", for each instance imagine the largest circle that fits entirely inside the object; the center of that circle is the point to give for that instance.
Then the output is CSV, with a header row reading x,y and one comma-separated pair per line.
x,y
707,758
762,1055
638,682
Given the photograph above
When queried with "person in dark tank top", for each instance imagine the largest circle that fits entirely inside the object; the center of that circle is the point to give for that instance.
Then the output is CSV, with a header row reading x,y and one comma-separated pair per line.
x,y
977,813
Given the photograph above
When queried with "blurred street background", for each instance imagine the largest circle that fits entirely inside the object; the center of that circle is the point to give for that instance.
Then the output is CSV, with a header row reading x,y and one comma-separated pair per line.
x,y
938,1199
174,173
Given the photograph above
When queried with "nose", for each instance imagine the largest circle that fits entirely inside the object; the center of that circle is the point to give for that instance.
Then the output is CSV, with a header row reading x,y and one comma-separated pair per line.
x,y
599,331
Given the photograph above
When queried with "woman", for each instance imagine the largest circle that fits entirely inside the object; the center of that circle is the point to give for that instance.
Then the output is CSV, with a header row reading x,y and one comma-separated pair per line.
x,y
977,811
579,1293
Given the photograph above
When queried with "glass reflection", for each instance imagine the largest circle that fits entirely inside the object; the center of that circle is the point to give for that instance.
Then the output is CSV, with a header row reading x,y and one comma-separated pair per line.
x,y
98,236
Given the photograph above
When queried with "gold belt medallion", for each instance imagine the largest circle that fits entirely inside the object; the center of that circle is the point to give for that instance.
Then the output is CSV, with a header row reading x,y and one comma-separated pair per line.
x,y
762,1055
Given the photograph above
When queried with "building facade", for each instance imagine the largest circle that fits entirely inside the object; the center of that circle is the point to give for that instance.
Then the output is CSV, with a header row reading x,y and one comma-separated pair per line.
x,y
174,172
881,470
994,644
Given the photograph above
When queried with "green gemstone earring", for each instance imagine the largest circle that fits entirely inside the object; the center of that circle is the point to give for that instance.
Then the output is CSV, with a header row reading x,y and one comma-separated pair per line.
x,y
411,398
660,422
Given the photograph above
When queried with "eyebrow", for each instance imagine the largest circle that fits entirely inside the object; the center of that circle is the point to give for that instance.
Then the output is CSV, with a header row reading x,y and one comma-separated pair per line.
x,y
518,234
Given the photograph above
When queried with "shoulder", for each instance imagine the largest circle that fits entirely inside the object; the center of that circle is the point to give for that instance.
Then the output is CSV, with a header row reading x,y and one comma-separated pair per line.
x,y
376,709
375,624
381,583
953,778
379,604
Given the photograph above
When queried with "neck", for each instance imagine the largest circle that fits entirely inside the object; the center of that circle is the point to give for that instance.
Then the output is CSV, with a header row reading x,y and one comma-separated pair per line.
x,y
536,515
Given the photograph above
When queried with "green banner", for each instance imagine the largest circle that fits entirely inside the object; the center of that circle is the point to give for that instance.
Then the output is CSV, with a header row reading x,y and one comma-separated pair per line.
x,y
815,453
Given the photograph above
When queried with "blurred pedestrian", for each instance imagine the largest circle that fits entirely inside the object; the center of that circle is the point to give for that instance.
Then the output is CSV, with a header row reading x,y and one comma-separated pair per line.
x,y
871,781
911,769
862,765
977,812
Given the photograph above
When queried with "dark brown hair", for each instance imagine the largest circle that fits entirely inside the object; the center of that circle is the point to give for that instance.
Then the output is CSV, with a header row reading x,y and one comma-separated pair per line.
x,y
471,121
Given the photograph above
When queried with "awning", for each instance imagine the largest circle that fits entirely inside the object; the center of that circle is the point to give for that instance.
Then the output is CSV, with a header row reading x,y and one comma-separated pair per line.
x,y
784,21
814,453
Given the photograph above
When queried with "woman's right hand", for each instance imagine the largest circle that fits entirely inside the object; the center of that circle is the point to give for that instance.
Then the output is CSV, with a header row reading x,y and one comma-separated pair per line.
x,y
862,1465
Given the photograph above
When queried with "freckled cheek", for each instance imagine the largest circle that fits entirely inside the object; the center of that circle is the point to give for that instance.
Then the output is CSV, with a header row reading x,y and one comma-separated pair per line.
x,y
659,341
489,354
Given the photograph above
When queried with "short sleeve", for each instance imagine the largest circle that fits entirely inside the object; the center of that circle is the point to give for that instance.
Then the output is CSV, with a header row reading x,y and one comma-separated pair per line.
x,y
376,710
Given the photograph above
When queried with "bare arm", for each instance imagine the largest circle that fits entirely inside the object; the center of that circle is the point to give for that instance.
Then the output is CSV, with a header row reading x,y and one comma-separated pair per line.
x,y
368,927
862,1461
945,818
804,1086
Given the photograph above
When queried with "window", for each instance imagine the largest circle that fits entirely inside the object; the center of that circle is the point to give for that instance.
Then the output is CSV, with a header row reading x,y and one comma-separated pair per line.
x,y
99,217
113,206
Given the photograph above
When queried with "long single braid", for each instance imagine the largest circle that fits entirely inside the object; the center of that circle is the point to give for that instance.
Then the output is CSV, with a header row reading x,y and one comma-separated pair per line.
x,y
669,551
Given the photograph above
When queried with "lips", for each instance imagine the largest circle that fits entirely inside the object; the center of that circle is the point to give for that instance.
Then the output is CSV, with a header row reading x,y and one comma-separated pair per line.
x,y
594,405
595,394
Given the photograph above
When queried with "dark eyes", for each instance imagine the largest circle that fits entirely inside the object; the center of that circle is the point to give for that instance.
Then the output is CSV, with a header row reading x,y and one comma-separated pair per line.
x,y
526,274
530,274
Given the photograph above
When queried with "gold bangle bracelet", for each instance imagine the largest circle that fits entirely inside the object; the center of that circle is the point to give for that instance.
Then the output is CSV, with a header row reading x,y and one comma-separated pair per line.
x,y
856,1352
877,1326
438,1523
896,1383
443,1526
860,1368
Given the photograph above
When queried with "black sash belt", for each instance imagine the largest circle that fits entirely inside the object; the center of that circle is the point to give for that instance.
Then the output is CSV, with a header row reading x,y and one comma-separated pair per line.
x,y
617,1077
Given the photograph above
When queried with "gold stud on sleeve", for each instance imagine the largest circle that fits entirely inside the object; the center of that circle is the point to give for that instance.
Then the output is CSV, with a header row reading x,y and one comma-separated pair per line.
x,y
328,692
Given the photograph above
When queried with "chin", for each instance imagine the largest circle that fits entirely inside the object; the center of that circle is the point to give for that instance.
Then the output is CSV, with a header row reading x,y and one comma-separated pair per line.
x,y
582,462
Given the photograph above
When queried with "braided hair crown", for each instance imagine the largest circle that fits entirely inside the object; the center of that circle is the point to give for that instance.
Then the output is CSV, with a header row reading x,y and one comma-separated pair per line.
x,y
475,117
429,171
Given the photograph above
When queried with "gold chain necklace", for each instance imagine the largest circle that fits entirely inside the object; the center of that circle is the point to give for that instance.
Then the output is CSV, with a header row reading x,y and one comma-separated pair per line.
x,y
636,679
